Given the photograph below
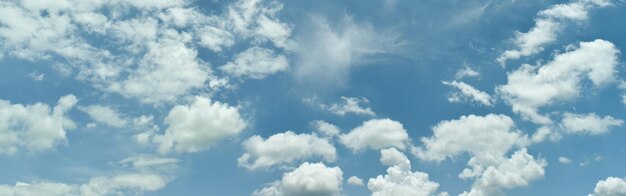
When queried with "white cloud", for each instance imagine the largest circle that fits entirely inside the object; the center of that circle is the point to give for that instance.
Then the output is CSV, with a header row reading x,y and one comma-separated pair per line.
x,y
355,181
256,63
467,92
466,71
326,55
36,76
257,19
490,134
493,173
564,160
349,105
104,114
400,180
376,134
612,186
530,88
591,123
149,176
284,148
547,26
326,128
34,127
168,70
199,126
308,179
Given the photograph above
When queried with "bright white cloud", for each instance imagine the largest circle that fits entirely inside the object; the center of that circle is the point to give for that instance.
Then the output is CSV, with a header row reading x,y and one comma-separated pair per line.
x,y
376,134
284,148
400,180
104,114
547,26
612,186
258,19
349,105
494,173
199,126
34,127
256,63
355,181
591,123
308,179
467,92
530,88
326,128
490,134
564,160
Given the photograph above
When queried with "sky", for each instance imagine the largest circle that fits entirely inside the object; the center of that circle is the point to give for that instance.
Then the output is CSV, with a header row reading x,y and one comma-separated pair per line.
x,y
344,97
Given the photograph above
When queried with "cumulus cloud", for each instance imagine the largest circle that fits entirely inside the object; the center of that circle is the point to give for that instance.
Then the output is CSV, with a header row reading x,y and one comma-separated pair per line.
x,y
612,186
376,134
149,53
493,173
199,126
591,123
326,128
467,92
307,179
105,115
491,134
531,87
355,181
349,105
284,148
400,180
34,127
256,63
547,26
466,71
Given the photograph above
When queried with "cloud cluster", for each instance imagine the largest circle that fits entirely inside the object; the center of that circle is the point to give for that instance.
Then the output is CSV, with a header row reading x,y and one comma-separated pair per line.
x,y
376,134
34,127
307,179
400,180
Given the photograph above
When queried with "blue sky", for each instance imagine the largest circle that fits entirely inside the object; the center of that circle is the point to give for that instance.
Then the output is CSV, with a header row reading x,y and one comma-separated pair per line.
x,y
263,97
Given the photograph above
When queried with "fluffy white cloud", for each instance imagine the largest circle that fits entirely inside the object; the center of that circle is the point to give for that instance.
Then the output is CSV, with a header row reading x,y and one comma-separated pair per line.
x,y
493,173
326,128
199,126
467,92
591,123
376,134
612,186
490,134
547,26
104,114
33,127
356,181
350,105
530,88
400,180
257,19
40,188
256,63
564,160
308,179
284,148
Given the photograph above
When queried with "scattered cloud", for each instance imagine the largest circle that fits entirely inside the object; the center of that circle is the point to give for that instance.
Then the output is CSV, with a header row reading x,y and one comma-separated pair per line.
x,y
34,127
105,115
466,71
591,123
307,179
564,160
355,181
612,186
256,63
400,180
326,128
548,25
284,148
376,134
531,87
349,105
199,126
467,92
